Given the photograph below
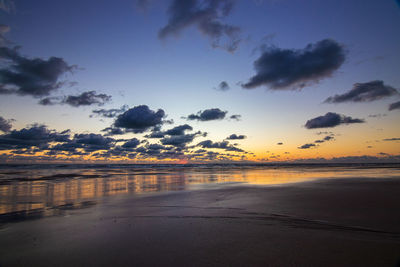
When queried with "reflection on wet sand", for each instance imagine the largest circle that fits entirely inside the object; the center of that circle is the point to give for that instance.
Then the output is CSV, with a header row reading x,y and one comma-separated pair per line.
x,y
49,192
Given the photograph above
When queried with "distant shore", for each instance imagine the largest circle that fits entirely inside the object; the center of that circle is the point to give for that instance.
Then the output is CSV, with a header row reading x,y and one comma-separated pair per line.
x,y
335,222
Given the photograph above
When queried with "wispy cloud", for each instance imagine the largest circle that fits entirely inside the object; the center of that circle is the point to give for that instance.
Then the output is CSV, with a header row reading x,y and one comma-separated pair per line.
x,y
223,86
84,99
206,16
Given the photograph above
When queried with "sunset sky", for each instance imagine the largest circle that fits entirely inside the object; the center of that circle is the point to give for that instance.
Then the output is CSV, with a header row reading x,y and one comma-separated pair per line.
x,y
199,80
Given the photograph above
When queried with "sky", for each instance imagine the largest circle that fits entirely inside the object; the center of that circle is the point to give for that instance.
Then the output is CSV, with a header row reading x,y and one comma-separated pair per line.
x,y
199,81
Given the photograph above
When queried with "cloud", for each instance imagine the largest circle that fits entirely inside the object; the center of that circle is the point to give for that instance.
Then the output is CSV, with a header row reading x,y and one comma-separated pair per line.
x,y
223,86
179,130
206,15
7,6
5,125
109,113
364,92
36,77
395,105
140,119
35,136
290,68
377,115
143,4
391,139
178,140
235,117
92,142
87,143
307,146
208,115
84,99
331,119
280,143
325,139
3,30
353,159
133,143
236,137
219,145
109,131
155,134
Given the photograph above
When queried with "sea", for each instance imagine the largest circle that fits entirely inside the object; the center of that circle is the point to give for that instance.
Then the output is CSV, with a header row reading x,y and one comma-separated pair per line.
x,y
28,190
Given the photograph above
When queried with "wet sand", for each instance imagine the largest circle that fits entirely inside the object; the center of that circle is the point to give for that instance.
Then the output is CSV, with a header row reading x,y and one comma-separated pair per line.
x,y
335,222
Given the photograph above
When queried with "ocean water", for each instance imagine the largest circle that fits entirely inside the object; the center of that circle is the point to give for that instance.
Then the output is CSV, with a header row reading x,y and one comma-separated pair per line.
x,y
50,189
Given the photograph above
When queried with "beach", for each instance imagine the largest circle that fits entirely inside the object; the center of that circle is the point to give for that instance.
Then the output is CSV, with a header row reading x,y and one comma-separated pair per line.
x,y
345,221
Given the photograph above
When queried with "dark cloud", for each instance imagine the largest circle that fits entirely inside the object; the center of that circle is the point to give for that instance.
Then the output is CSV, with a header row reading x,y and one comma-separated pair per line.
x,y
280,143
179,130
395,105
236,137
35,136
290,69
392,139
219,145
330,119
178,140
325,139
377,115
206,15
235,117
143,4
353,159
36,77
133,143
7,6
109,131
50,101
208,115
5,125
364,92
87,143
140,119
92,142
325,133
223,86
84,99
109,113
3,30
307,146
155,134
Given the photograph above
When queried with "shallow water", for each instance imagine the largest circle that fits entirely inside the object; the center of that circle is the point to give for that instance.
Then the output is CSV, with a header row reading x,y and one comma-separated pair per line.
x,y
51,188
